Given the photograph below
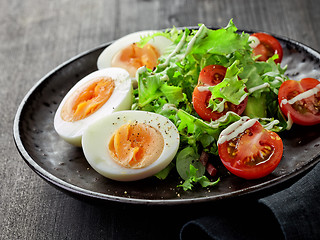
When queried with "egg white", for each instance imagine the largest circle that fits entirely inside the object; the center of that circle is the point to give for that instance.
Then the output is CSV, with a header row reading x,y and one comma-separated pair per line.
x,y
121,99
105,58
97,136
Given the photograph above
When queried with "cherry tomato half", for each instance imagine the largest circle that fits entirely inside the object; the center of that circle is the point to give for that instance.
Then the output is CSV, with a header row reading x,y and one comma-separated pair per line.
x,y
210,76
253,153
268,47
301,100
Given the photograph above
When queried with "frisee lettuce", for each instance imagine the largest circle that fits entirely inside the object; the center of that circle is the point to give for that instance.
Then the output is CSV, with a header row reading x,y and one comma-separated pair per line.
x,y
168,89
231,89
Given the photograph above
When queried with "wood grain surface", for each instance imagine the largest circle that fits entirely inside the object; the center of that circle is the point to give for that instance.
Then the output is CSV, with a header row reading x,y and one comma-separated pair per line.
x,y
36,36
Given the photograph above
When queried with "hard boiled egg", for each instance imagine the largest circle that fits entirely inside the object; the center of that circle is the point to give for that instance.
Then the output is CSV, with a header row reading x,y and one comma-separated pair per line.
x,y
130,145
96,95
125,53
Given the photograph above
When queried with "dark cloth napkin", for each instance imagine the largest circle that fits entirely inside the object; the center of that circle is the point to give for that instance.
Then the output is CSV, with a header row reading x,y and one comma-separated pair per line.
x,y
292,213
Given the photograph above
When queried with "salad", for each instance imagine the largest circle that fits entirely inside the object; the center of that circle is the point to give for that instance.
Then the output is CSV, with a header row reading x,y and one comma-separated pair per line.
x,y
228,95
208,101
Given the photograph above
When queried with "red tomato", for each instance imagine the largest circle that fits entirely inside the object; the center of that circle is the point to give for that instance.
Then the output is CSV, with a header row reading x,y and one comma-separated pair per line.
x,y
210,76
253,153
268,47
305,109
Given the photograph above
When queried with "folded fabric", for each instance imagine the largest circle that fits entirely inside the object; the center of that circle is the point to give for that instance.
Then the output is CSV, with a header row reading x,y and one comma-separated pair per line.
x,y
293,213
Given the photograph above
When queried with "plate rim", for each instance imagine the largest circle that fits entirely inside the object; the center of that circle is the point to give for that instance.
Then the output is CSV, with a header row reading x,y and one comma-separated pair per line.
x,y
82,192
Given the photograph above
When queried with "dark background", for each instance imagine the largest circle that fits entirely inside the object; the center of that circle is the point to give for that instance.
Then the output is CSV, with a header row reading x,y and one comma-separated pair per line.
x,y
36,36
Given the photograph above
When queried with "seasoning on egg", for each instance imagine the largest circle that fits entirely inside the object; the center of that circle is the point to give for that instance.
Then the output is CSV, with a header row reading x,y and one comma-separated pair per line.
x,y
136,145
134,148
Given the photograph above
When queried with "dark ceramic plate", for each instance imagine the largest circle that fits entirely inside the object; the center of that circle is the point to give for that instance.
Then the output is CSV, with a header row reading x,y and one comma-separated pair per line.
x,y
65,167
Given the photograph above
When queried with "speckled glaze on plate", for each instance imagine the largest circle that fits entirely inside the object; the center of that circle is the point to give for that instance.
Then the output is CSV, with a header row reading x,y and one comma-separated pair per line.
x,y
65,167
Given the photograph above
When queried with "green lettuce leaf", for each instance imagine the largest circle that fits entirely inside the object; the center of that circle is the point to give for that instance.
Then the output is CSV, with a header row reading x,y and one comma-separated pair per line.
x,y
200,134
186,157
168,89
193,177
222,41
231,89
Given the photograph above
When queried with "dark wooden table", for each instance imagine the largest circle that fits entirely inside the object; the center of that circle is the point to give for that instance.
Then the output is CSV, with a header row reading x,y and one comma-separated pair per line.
x,y
36,36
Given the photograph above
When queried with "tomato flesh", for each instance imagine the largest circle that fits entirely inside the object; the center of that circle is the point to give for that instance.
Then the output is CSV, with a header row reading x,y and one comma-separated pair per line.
x,y
268,47
253,153
210,76
300,101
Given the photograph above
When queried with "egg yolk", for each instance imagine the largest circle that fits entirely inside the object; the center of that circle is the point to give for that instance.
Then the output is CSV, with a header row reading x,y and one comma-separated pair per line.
x,y
87,99
133,57
136,145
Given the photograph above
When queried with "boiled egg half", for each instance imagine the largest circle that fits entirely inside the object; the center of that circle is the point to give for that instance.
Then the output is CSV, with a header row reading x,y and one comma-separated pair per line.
x,y
130,145
96,95
126,53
